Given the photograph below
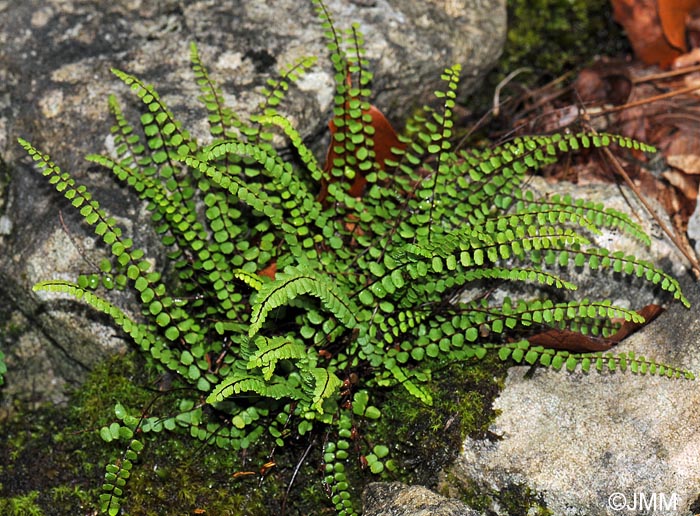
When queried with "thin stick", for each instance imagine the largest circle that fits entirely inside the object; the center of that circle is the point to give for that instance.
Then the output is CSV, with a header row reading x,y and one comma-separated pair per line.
x,y
648,100
294,476
666,75
497,92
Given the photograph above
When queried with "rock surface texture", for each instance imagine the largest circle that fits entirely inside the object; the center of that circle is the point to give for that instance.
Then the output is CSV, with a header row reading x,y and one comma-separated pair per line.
x,y
599,443
397,499
54,80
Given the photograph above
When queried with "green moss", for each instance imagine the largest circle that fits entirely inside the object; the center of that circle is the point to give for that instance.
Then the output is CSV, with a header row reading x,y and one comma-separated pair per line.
x,y
424,439
54,454
52,459
549,38
23,505
43,451
515,499
555,35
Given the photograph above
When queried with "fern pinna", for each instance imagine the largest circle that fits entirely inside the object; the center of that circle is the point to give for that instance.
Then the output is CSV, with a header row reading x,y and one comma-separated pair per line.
x,y
293,292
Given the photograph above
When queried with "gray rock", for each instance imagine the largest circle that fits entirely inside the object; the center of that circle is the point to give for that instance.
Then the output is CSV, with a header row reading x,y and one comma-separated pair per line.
x,y
397,499
694,229
598,444
54,81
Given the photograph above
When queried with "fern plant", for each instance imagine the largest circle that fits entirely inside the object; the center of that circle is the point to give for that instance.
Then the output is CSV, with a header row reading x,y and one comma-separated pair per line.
x,y
290,296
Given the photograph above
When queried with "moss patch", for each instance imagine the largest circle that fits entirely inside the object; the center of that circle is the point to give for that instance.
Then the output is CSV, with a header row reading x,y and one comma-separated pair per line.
x,y
553,36
515,499
53,459
424,439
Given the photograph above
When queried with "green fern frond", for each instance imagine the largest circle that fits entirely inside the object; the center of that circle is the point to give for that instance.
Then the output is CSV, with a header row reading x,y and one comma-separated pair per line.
x,y
601,361
223,122
272,350
248,194
118,472
145,336
159,124
307,157
298,200
295,282
618,262
236,384
129,148
593,216
277,88
181,229
252,280
494,173
323,383
399,374
104,226
240,383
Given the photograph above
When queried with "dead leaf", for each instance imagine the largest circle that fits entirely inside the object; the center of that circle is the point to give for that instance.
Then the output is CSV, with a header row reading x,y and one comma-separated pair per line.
x,y
674,15
688,59
686,184
575,342
606,82
269,271
687,163
385,139
641,21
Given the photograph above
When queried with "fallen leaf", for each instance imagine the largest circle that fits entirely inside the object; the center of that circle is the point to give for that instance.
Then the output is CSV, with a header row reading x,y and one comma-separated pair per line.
x,y
687,163
687,184
674,15
385,139
269,271
575,342
642,23
687,59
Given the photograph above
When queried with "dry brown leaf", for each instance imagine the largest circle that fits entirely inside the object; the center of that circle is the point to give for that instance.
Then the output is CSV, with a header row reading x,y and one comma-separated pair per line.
x,y
687,59
686,184
269,271
683,152
659,30
385,139
641,21
575,342
674,15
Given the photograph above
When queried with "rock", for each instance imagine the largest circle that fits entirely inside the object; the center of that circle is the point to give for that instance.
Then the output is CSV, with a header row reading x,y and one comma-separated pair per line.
x,y
397,499
54,84
569,443
694,229
599,443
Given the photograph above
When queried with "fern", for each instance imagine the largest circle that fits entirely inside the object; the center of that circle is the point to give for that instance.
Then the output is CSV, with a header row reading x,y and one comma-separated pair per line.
x,y
3,368
289,285
271,351
293,289
118,471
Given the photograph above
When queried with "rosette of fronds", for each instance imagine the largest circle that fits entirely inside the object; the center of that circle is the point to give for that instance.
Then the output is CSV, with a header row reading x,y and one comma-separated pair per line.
x,y
294,288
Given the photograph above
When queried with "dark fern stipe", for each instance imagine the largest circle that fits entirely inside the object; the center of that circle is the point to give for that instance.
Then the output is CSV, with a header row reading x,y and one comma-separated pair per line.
x,y
369,286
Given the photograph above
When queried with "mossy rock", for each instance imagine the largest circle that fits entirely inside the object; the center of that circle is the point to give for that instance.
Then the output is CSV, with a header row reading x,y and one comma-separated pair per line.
x,y
54,458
